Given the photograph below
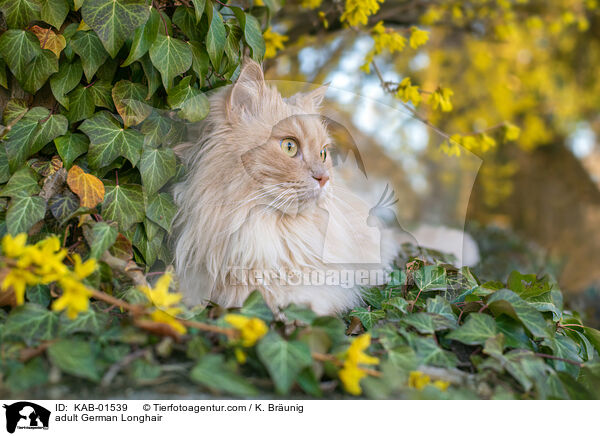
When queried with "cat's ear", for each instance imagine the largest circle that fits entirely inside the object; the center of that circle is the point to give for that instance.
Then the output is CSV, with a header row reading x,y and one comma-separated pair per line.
x,y
312,100
245,94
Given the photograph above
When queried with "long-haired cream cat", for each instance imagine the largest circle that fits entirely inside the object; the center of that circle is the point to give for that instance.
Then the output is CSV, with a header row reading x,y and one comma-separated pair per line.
x,y
260,204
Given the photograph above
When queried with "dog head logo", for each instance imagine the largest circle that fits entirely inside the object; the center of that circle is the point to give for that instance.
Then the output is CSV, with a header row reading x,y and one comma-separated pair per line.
x,y
26,415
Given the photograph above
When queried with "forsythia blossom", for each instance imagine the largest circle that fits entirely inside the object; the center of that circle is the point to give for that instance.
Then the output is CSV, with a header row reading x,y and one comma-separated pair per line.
x,y
42,263
385,39
273,42
418,380
164,302
358,11
418,37
351,374
441,99
251,329
512,132
311,4
407,92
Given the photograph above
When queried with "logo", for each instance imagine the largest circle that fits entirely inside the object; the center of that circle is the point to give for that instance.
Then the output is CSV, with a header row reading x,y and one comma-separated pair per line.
x,y
26,415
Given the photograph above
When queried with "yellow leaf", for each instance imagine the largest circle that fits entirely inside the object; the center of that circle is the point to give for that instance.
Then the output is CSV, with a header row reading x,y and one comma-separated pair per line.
x,y
83,26
88,188
50,40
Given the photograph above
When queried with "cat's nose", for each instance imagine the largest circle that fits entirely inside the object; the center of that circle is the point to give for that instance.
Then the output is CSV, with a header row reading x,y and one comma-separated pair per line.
x,y
322,178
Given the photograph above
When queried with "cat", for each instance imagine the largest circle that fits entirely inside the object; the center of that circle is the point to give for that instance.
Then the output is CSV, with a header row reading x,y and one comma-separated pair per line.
x,y
260,208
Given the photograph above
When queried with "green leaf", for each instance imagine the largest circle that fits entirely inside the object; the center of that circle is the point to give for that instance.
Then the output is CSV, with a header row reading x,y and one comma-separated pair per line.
x,y
102,92
430,278
441,306
161,210
81,104
89,321
509,303
153,79
75,357
476,330
155,129
19,48
23,133
200,60
54,12
89,48
185,19
15,109
71,146
283,359
34,373
429,353
48,129
19,13
31,323
157,166
22,183
143,38
526,285
212,373
255,306
41,67
215,39
23,213
565,348
128,98
104,236
67,78
252,33
171,57
3,78
428,323
366,317
4,170
593,336
114,20
199,6
108,140
39,294
192,102
123,204
63,206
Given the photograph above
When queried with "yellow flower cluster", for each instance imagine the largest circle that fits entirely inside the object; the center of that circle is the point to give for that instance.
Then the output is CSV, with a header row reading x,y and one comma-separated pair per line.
x,y
478,144
250,329
42,263
407,92
311,4
418,37
418,380
164,303
351,374
273,42
358,11
441,99
385,39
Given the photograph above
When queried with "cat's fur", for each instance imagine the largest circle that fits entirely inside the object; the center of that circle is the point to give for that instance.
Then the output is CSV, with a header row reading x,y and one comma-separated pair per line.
x,y
246,205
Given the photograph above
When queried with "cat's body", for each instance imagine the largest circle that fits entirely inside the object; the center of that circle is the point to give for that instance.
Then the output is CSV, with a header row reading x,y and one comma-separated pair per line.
x,y
250,208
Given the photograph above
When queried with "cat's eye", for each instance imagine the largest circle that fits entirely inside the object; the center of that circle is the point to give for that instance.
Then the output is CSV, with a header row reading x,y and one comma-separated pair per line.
x,y
323,154
289,147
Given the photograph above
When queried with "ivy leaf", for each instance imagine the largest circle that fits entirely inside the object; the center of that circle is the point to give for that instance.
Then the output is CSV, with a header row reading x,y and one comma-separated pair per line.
x,y
153,79
15,109
89,321
102,92
143,38
89,48
19,48
193,103
171,57
71,146
200,60
108,140
128,98
3,78
478,328
155,128
114,20
81,104
104,235
19,13
23,213
429,353
75,357
4,170
22,183
284,360
49,40
157,166
430,278
185,19
252,33
88,187
199,6
63,206
366,317
54,12
67,78
509,303
31,323
161,210
255,306
215,39
212,373
123,204
23,134
40,69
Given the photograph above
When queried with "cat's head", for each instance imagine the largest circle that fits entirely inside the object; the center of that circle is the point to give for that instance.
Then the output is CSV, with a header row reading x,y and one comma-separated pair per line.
x,y
283,141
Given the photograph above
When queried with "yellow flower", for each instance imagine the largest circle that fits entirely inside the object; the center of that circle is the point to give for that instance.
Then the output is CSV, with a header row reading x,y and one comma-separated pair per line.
x,y
160,295
273,42
311,4
351,375
442,385
75,297
356,354
418,380
13,247
82,270
358,11
251,329
512,132
487,142
240,356
441,98
387,39
418,37
407,92
18,279
167,316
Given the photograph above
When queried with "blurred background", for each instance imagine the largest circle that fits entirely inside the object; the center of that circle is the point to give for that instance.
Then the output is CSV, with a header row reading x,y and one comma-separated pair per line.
x,y
483,114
